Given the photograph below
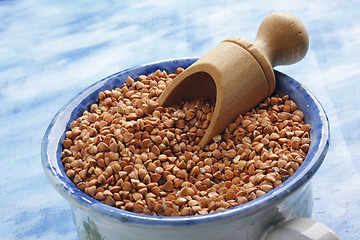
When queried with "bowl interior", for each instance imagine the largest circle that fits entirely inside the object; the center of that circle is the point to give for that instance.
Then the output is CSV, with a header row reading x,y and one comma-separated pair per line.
x,y
55,134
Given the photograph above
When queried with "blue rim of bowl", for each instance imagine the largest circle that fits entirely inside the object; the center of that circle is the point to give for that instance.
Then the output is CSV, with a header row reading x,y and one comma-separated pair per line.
x,y
51,149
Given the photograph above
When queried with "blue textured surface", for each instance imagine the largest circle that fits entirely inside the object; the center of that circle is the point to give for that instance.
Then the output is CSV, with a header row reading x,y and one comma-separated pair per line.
x,y
49,51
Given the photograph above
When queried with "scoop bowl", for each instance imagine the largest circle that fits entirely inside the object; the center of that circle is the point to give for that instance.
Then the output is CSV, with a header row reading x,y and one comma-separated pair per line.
x,y
96,220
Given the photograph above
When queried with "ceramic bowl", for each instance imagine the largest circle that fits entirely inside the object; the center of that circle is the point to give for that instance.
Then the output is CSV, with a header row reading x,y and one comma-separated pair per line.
x,y
96,220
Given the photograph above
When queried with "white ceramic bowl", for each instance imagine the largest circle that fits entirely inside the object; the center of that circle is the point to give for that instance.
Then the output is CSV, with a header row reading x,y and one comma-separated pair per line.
x,y
96,220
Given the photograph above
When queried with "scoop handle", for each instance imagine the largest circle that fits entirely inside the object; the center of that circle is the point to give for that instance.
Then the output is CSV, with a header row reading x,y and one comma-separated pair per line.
x,y
282,38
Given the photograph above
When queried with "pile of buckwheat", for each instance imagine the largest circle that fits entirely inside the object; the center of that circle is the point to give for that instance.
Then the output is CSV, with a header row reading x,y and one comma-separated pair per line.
x,y
131,153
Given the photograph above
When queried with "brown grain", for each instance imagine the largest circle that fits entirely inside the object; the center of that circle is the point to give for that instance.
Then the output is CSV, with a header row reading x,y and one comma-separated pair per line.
x,y
131,153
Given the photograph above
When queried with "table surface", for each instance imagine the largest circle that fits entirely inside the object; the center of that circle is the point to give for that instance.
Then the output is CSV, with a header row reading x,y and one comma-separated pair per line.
x,y
51,50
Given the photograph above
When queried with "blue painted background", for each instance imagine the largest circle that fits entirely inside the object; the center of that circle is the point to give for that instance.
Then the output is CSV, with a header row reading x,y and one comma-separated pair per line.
x,y
50,50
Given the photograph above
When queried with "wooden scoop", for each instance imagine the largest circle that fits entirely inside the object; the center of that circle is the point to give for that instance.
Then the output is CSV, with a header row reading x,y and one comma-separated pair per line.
x,y
238,73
